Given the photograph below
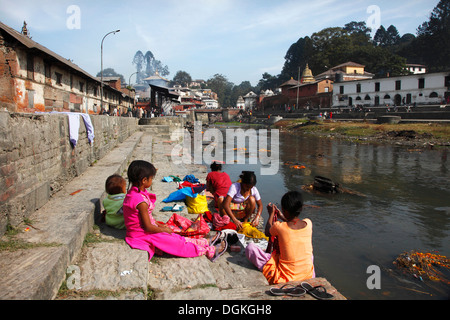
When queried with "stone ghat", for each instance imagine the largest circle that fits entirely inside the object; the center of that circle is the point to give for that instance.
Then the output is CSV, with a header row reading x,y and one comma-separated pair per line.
x,y
106,267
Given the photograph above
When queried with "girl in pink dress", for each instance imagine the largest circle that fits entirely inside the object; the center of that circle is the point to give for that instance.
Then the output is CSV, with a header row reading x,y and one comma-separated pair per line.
x,y
143,232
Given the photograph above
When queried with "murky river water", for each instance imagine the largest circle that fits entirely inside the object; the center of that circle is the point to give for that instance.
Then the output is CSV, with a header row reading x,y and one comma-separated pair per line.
x,y
406,207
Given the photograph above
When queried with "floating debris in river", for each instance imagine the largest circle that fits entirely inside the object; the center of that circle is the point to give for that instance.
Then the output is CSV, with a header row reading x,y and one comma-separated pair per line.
x,y
424,265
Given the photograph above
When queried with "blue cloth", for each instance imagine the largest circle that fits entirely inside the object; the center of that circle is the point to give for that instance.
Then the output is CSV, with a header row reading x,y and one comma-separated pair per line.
x,y
167,179
180,195
190,178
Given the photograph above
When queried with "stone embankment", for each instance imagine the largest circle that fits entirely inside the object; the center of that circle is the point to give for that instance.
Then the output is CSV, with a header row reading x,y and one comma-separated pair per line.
x,y
65,242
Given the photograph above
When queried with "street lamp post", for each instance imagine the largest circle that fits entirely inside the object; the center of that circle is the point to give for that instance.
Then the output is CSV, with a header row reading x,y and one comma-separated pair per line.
x,y
114,32
129,81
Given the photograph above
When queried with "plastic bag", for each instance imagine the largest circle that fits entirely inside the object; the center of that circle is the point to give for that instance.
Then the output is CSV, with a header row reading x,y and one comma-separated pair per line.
x,y
180,195
197,205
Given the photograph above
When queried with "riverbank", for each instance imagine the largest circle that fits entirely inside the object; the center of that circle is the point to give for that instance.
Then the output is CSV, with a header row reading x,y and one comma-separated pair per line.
x,y
418,135
46,252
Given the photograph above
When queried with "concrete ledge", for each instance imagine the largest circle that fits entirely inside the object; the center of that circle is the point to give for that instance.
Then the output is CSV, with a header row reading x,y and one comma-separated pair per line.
x,y
32,274
64,222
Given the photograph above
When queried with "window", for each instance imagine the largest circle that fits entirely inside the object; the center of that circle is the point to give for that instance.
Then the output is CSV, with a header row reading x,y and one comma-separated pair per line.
x,y
421,83
409,98
377,87
358,87
447,82
58,78
398,85
30,66
434,95
81,86
341,89
47,71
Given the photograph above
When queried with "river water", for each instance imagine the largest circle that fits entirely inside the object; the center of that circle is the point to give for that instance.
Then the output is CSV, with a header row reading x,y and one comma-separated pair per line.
x,y
406,206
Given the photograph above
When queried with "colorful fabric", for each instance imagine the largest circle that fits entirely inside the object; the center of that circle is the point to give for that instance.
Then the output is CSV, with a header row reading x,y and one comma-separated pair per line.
x,y
251,232
185,227
237,206
197,205
173,243
257,256
209,217
190,178
113,204
219,221
294,262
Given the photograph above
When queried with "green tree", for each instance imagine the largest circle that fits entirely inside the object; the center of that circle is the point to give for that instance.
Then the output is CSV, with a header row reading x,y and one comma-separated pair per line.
x,y
433,38
296,57
269,82
220,85
182,78
110,72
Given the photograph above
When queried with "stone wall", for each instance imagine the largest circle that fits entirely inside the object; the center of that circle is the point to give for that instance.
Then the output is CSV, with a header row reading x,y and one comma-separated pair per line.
x,y
37,158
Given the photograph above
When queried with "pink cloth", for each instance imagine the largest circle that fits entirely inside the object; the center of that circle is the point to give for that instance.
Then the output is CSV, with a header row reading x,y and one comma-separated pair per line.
x,y
173,244
257,256
219,221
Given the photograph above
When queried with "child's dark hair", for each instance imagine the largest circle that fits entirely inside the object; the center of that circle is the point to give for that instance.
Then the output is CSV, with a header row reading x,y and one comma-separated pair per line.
x,y
292,202
139,170
114,184
216,166
248,177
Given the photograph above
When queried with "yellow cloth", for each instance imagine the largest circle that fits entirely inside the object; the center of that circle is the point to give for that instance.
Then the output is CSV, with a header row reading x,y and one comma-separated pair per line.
x,y
249,231
197,205
294,262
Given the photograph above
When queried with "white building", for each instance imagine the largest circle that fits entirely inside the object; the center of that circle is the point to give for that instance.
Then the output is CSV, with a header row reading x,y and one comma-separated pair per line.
x,y
240,103
416,68
211,103
420,89
250,100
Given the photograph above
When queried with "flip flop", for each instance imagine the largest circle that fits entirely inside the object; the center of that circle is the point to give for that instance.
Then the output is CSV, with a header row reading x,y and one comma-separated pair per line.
x,y
318,292
288,289
220,251
215,238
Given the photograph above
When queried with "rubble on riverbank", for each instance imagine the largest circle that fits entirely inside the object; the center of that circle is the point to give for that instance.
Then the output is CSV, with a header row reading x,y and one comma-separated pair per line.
x,y
420,135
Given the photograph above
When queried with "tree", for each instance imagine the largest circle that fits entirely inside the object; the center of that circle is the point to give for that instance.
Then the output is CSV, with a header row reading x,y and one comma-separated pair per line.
x,y
432,45
387,38
110,72
269,82
182,78
393,37
296,57
138,60
220,85
150,64
439,20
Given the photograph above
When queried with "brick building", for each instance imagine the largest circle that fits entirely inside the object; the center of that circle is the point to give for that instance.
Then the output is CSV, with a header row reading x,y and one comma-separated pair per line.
x,y
33,78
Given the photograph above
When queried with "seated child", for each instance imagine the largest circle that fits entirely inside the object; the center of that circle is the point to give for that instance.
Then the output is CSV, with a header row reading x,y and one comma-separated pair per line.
x,y
116,188
145,233
293,259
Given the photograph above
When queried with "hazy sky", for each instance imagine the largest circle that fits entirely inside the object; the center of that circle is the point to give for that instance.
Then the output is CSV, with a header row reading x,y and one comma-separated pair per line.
x,y
240,39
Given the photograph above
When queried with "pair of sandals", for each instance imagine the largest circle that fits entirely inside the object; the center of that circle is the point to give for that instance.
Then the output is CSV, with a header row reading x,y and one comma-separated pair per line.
x,y
220,242
318,292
